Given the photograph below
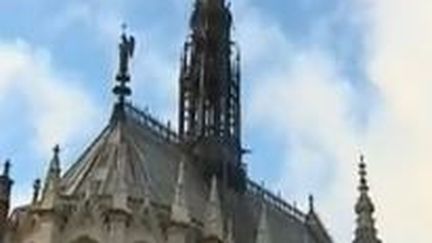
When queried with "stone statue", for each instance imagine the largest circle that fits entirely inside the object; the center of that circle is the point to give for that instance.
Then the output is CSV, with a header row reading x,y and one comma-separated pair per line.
x,y
126,51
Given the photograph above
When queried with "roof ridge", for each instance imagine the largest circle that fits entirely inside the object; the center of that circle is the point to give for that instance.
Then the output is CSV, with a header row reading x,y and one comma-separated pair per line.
x,y
86,151
143,117
275,201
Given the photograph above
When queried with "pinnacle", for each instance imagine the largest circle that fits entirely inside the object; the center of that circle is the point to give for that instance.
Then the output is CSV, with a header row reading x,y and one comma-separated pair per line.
x,y
55,162
36,190
365,231
179,209
311,203
213,225
6,169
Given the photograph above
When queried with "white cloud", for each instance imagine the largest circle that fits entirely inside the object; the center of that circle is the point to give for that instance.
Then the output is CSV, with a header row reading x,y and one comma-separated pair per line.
x,y
306,99
401,57
59,109
311,111
302,95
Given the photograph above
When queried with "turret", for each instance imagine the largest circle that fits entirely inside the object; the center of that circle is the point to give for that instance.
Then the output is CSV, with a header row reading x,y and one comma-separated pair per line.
x,y
5,197
205,108
365,227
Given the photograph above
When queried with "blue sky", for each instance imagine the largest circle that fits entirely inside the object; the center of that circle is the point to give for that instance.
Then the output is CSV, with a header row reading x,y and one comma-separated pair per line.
x,y
323,80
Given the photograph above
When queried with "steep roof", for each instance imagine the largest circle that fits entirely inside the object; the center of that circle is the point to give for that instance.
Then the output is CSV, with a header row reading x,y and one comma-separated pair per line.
x,y
138,155
141,157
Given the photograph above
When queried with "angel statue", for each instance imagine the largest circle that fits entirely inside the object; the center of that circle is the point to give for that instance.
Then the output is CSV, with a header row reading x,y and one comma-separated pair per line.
x,y
126,51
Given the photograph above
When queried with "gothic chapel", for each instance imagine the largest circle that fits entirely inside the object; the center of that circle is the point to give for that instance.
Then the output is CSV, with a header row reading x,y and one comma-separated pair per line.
x,y
141,182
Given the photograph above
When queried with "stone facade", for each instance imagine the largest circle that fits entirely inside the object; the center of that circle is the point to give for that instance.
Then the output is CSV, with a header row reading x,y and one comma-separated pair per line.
x,y
135,184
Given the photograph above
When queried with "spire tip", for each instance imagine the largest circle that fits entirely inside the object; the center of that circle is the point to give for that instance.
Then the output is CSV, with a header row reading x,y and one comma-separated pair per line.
x,y
363,173
56,149
7,166
364,208
36,190
311,203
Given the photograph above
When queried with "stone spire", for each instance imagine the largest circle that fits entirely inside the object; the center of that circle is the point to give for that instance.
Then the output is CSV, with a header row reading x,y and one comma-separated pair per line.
x,y
54,171
5,191
179,208
210,107
213,221
365,229
263,235
52,180
207,81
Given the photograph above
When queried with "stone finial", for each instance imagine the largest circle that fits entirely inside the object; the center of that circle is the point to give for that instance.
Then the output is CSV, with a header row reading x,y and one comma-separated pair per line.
x,y
213,221
311,203
55,166
36,190
5,183
179,209
54,170
365,227
5,197
52,181
6,169
312,218
363,188
56,149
